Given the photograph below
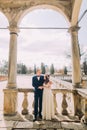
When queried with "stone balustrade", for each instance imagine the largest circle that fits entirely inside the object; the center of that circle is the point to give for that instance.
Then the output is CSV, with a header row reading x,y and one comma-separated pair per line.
x,y
58,88
69,95
55,91
69,79
79,97
25,100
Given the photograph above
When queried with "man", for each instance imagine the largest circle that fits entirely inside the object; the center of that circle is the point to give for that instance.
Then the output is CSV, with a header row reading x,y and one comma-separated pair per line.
x,y
37,83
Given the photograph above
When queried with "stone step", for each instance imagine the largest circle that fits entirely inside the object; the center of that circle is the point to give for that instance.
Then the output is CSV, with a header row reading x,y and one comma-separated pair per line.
x,y
37,125
35,129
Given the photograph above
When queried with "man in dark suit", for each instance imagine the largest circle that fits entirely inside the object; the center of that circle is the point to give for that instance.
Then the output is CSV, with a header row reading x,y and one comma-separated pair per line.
x,y
37,83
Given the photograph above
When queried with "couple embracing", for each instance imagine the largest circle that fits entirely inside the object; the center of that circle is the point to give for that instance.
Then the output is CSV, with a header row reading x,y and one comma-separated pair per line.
x,y
43,97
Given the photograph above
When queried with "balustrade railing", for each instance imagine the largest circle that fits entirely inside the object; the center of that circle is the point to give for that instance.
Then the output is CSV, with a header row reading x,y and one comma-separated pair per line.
x,y
59,91
66,98
55,91
69,79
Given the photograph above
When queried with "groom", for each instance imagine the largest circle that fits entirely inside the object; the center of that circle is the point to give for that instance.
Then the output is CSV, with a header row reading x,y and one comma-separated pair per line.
x,y
37,83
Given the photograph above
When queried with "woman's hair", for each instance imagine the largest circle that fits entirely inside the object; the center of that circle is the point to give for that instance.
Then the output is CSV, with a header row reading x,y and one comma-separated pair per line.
x,y
47,79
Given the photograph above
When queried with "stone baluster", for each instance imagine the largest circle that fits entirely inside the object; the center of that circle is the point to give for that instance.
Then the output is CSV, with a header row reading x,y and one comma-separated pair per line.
x,y
55,103
84,118
64,105
25,104
77,104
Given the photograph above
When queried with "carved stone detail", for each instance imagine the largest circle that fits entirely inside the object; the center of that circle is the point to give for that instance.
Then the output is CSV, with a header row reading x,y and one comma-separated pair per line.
x,y
13,8
74,29
10,101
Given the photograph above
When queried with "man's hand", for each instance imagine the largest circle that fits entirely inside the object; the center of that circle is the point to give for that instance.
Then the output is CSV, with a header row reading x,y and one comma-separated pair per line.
x,y
40,87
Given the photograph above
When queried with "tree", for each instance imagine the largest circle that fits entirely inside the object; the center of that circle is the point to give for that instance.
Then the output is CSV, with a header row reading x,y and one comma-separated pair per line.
x,y
65,70
85,67
24,69
3,67
29,71
81,52
52,69
34,69
43,68
21,68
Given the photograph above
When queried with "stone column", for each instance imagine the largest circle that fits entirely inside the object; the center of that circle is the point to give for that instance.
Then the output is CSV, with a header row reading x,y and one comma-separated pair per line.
x,y
12,70
76,71
10,93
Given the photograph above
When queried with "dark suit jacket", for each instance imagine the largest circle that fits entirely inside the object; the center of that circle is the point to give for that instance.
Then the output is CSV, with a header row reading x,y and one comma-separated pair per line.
x,y
36,83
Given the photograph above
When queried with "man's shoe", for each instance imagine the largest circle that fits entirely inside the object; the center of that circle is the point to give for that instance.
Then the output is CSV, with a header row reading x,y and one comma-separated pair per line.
x,y
40,116
34,119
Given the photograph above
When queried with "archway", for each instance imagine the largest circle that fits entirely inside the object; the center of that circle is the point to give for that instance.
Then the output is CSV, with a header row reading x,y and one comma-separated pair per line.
x,y
43,6
32,37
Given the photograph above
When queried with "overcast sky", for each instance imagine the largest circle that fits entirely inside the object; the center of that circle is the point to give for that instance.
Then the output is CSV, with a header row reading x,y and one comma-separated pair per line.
x,y
48,46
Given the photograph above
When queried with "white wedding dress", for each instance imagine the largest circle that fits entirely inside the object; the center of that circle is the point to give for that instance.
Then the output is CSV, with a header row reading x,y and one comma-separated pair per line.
x,y
48,103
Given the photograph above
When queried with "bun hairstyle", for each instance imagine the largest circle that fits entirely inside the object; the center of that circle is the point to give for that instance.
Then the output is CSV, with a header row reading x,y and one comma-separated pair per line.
x,y
47,79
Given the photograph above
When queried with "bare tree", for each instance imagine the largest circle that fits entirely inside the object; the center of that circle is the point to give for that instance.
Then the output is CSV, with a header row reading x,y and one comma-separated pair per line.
x,y
81,52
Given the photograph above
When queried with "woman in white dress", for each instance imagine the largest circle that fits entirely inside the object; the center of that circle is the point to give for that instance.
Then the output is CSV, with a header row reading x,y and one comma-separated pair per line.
x,y
48,103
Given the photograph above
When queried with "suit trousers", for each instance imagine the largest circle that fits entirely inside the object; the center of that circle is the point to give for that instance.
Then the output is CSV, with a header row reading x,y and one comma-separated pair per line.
x,y
38,102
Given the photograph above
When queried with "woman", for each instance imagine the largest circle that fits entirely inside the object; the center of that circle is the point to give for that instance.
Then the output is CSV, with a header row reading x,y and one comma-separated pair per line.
x,y
48,103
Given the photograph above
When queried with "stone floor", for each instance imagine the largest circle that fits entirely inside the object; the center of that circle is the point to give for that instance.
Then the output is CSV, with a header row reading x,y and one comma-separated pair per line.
x,y
20,122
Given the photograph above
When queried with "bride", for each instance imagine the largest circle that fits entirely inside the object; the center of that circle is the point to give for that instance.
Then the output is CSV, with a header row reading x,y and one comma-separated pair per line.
x,y
48,103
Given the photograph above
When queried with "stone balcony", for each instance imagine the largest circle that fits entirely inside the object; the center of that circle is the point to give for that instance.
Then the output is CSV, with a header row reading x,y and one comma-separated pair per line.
x,y
70,105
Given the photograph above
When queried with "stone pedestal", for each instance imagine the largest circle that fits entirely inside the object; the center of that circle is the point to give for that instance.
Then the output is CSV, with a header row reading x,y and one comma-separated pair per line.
x,y
10,101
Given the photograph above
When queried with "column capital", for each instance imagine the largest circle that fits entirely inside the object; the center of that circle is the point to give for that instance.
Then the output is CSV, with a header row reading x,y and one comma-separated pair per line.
x,y
74,29
13,29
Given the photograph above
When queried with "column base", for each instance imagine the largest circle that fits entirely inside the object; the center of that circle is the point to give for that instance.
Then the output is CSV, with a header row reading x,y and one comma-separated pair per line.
x,y
79,113
77,85
10,114
84,120
10,102
11,85
64,112
24,112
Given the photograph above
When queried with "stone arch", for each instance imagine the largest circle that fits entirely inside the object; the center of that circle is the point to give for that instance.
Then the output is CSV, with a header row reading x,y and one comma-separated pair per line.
x,y
42,7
